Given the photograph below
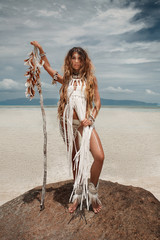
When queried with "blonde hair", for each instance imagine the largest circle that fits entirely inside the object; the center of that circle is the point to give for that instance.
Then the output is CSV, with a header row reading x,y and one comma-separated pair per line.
x,y
86,72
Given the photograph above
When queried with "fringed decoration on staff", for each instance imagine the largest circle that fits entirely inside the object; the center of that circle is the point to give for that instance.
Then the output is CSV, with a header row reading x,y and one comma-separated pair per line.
x,y
33,79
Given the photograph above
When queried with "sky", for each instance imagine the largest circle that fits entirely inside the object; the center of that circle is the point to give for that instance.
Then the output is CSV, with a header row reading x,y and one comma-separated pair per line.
x,y
122,38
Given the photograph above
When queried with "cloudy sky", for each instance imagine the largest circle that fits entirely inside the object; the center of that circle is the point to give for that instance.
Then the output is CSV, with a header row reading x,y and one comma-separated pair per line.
x,y
122,38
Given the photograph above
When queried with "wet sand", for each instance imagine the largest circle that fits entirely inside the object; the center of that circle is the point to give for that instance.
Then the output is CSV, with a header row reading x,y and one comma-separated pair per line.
x,y
130,138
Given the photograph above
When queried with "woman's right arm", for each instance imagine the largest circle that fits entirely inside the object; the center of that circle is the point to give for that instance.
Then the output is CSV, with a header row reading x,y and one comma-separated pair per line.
x,y
46,65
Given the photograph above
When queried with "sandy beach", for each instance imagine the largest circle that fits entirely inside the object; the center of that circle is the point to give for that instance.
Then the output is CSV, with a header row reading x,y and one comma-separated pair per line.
x,y
130,138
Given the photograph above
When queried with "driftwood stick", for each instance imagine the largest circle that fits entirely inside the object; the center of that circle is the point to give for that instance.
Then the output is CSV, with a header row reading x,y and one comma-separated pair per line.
x,y
44,152
33,78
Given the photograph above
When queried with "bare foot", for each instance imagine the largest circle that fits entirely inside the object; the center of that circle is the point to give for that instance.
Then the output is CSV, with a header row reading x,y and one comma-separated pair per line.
x,y
73,206
96,207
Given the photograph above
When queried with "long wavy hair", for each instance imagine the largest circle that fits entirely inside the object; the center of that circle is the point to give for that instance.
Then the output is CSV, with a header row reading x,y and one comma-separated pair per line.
x,y
86,73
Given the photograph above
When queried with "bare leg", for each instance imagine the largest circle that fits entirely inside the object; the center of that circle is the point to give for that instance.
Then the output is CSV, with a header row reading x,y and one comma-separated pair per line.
x,y
98,155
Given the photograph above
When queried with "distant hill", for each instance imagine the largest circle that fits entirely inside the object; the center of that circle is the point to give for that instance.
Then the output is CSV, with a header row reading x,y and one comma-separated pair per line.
x,y
54,101
111,102
27,102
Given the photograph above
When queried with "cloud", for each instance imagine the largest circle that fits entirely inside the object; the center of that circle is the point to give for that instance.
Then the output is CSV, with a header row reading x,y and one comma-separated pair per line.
x,y
11,51
63,6
102,24
33,24
115,21
116,49
138,60
9,84
9,68
73,36
47,13
116,90
47,86
124,46
150,92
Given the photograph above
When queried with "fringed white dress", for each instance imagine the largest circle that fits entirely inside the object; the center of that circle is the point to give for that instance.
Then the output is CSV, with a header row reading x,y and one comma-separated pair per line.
x,y
77,101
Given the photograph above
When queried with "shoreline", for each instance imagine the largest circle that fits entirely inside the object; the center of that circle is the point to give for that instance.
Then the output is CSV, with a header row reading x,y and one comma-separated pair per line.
x,y
103,106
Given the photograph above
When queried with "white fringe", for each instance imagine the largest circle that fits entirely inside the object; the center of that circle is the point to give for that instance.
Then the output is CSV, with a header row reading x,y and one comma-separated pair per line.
x,y
93,194
77,102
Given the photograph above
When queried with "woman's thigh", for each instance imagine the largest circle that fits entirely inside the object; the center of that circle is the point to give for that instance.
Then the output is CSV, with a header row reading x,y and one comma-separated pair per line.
x,y
96,146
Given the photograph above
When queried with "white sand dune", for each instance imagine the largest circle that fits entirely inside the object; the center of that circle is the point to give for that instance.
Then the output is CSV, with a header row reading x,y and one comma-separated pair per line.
x,y
130,138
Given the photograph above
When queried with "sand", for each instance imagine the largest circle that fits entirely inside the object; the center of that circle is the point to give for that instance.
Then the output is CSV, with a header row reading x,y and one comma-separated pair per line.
x,y
130,138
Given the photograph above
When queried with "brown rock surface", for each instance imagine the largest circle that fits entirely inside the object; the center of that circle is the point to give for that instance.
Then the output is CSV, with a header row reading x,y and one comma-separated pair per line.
x,y
128,213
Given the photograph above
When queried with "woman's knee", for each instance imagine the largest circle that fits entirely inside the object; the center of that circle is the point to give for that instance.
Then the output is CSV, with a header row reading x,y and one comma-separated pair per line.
x,y
100,157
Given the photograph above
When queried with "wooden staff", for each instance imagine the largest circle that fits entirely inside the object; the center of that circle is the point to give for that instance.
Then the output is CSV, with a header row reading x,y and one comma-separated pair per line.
x,y
33,74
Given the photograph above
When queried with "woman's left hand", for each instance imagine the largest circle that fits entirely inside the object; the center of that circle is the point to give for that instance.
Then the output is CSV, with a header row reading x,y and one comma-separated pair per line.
x,y
86,122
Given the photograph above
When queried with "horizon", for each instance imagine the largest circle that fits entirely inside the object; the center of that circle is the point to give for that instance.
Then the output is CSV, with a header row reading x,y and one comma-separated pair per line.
x,y
111,102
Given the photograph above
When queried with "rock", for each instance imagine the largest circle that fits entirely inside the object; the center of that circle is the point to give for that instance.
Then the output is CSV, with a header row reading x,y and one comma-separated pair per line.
x,y
128,213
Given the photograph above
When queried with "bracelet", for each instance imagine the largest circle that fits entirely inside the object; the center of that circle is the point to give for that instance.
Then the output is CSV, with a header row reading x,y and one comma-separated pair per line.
x,y
91,120
55,76
91,116
42,54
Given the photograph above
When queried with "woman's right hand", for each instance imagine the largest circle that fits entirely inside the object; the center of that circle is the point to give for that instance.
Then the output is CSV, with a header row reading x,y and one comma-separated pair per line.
x,y
36,44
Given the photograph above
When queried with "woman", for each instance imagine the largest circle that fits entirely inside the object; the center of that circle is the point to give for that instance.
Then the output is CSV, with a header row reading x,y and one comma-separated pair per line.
x,y
78,93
